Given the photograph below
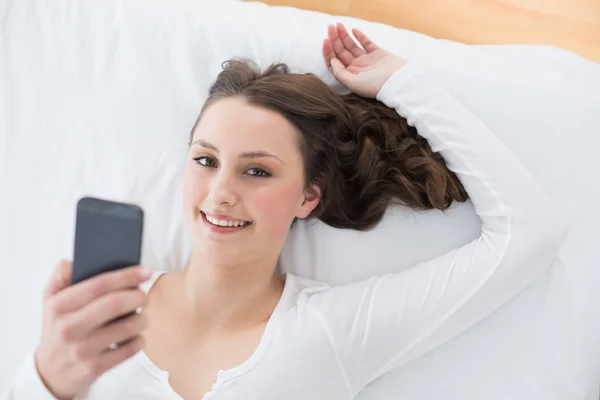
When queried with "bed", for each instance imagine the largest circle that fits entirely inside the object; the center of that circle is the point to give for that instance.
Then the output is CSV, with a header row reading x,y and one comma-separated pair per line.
x,y
82,84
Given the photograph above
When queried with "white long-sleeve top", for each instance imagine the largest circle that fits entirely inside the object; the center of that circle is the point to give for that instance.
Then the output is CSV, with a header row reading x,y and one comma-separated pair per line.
x,y
327,342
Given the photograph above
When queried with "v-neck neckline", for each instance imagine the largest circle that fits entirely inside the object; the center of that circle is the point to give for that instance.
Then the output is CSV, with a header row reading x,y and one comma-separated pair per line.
x,y
222,375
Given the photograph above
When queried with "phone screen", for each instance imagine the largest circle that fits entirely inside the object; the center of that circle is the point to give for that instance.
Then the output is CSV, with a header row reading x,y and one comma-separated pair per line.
x,y
108,236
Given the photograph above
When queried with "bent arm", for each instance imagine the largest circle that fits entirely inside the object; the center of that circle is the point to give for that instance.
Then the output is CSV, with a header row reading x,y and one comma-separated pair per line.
x,y
382,323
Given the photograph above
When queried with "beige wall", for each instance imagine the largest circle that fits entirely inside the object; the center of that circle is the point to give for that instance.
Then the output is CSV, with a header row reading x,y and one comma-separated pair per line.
x,y
569,24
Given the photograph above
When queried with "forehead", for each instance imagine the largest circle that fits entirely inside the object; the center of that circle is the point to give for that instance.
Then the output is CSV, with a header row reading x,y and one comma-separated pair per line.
x,y
235,123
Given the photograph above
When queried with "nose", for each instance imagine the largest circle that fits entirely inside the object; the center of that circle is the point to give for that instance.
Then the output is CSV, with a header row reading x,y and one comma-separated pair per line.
x,y
223,190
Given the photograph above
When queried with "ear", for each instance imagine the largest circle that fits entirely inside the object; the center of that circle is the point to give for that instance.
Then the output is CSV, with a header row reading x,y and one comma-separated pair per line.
x,y
312,196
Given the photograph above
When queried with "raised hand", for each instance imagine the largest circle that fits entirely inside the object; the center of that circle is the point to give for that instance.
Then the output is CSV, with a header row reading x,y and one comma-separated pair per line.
x,y
83,321
362,69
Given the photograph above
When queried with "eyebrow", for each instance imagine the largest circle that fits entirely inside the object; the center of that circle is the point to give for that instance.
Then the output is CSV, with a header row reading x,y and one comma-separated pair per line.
x,y
246,154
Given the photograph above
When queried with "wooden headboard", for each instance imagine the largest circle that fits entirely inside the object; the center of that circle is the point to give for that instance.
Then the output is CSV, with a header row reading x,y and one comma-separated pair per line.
x,y
569,24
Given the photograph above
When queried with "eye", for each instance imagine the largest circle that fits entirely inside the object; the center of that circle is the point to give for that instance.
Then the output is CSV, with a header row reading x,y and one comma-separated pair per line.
x,y
205,161
258,172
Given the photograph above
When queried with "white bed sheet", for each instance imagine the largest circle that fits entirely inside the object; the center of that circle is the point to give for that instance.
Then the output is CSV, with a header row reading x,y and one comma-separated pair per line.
x,y
98,97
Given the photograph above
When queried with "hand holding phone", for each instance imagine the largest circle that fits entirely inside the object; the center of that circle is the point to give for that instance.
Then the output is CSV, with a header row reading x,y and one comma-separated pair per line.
x,y
91,304
76,333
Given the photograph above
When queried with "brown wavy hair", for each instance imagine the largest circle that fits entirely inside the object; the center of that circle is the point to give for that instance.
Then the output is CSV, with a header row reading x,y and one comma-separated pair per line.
x,y
362,154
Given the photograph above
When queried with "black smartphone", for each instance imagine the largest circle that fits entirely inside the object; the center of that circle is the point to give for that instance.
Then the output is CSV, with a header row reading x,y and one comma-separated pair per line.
x,y
108,236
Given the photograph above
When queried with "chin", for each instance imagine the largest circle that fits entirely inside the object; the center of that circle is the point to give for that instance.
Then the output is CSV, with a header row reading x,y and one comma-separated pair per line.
x,y
216,251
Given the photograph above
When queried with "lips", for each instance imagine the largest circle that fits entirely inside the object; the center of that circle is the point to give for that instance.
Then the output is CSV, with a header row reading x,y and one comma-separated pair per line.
x,y
221,221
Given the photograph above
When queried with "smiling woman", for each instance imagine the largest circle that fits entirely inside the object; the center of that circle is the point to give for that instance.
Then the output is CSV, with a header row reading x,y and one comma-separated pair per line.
x,y
269,147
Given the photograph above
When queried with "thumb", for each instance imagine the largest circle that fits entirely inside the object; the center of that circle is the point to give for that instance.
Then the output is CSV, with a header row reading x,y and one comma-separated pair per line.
x,y
339,71
60,278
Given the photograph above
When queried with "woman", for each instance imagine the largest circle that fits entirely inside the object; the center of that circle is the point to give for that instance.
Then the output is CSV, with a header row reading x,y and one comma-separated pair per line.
x,y
267,149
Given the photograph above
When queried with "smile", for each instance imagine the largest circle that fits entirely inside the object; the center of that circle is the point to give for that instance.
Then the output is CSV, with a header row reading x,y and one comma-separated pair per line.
x,y
224,222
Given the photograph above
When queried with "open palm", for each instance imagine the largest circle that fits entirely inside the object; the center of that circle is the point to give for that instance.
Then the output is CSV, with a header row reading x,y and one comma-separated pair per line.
x,y
364,69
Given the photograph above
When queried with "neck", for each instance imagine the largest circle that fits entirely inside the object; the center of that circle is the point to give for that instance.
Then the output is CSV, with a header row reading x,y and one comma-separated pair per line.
x,y
229,296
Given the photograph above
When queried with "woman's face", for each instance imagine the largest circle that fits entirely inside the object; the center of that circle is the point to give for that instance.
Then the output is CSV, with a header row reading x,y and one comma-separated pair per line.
x,y
244,170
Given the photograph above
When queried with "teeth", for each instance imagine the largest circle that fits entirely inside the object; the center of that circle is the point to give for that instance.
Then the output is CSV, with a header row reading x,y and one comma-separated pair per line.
x,y
215,221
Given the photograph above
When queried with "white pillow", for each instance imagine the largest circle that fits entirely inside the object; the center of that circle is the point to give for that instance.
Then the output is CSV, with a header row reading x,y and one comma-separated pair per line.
x,y
98,98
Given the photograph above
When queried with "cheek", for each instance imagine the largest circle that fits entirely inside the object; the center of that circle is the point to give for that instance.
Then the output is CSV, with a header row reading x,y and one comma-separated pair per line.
x,y
277,209
192,191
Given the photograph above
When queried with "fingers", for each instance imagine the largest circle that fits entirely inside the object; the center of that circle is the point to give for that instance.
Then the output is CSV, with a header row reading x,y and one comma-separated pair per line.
x,y
112,358
341,45
117,332
102,311
364,41
334,65
348,42
85,292
339,48
328,53
340,72
60,278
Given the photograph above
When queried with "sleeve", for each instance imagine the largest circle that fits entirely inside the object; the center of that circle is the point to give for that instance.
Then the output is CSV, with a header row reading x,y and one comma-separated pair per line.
x,y
384,322
27,384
